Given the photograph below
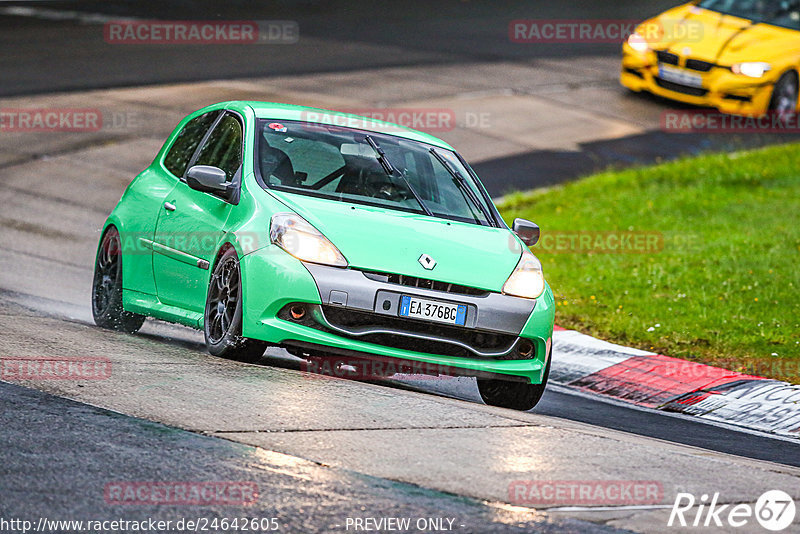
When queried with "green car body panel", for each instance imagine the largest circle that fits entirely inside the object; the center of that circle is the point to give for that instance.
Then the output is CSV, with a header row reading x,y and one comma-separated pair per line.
x,y
169,280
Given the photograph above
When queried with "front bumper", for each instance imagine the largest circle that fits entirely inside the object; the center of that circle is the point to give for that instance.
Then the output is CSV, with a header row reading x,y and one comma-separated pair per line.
x,y
727,92
350,313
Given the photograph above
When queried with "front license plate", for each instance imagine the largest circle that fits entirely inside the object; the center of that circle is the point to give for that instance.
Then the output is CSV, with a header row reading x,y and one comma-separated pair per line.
x,y
679,75
432,310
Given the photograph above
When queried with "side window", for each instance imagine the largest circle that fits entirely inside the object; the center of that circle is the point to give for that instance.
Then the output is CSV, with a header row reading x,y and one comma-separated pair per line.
x,y
223,148
186,143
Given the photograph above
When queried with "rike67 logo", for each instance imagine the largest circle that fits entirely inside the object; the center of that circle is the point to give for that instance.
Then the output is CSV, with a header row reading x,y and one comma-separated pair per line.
x,y
774,510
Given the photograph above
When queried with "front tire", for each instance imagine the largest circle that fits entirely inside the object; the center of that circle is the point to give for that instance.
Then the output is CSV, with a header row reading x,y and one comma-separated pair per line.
x,y
513,395
222,321
107,287
784,97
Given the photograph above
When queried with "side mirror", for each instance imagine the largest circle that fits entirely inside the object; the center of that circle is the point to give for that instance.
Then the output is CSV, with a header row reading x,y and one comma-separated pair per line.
x,y
527,231
207,179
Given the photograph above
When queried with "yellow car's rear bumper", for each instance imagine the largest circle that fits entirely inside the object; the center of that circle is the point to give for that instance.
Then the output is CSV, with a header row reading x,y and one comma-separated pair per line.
x,y
723,90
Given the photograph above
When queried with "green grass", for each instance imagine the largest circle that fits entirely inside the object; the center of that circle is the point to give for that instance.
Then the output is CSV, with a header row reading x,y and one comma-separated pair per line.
x,y
725,287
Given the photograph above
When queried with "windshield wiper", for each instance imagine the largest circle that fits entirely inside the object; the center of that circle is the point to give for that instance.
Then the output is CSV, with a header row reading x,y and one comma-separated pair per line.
x,y
463,185
382,159
391,171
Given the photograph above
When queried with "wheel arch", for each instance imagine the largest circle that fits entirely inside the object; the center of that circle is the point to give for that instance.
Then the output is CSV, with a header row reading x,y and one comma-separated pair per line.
x,y
114,221
224,247
111,222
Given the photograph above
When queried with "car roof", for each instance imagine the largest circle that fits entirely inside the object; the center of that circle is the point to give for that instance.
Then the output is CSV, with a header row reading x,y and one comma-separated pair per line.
x,y
290,112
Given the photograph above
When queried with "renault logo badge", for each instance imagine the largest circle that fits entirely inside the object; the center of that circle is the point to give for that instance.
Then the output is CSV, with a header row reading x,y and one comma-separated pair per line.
x,y
427,262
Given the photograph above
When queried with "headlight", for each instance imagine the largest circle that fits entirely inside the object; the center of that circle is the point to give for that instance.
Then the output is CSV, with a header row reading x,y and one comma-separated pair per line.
x,y
527,279
753,69
297,237
637,42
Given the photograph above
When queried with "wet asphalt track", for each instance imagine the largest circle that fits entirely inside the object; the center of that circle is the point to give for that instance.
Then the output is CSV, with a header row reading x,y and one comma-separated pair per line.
x,y
364,437
94,447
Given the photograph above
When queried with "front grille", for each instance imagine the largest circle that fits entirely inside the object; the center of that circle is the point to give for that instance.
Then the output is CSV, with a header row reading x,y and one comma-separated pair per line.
x,y
667,57
482,341
698,65
680,88
424,283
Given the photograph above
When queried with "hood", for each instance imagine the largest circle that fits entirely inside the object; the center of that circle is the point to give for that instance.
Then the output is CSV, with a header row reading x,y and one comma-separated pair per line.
x,y
724,38
379,239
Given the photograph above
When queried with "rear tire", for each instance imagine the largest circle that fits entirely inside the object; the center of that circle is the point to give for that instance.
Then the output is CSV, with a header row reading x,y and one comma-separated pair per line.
x,y
513,395
222,320
107,287
784,97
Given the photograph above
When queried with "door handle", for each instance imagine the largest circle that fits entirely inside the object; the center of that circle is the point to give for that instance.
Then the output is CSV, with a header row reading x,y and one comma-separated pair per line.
x,y
169,206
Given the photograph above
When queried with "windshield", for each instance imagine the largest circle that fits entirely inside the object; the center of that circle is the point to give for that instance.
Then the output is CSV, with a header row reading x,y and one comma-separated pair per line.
x,y
784,13
350,165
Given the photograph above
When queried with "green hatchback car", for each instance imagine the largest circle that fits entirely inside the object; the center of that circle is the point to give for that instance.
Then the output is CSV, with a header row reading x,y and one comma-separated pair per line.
x,y
333,236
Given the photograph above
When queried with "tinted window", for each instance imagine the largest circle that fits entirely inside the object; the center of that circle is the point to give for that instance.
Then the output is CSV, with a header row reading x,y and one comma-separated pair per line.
x,y
223,148
186,143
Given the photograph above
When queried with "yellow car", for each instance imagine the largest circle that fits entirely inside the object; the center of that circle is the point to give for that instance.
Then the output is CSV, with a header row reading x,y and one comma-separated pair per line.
x,y
739,56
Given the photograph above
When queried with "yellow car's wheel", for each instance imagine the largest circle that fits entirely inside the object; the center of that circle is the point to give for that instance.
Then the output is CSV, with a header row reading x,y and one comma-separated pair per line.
x,y
784,96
